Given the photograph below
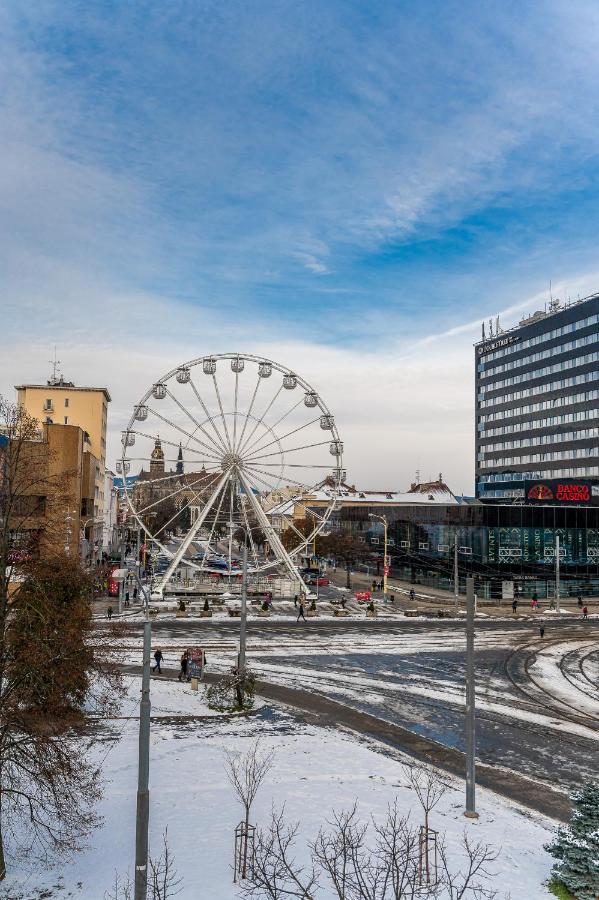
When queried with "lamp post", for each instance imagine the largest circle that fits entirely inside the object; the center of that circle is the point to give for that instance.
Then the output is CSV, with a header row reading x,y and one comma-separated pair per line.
x,y
142,819
383,519
243,617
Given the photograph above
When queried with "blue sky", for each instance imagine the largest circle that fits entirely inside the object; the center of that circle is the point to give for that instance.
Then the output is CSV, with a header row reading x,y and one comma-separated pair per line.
x,y
334,181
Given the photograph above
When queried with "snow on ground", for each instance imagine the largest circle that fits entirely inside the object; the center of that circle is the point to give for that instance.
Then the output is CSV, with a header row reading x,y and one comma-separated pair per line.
x,y
315,771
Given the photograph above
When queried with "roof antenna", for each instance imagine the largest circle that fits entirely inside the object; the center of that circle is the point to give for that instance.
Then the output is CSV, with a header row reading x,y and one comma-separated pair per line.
x,y
55,364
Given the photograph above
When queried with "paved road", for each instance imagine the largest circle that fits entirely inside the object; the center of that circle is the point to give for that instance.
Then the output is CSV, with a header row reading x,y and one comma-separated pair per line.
x,y
538,701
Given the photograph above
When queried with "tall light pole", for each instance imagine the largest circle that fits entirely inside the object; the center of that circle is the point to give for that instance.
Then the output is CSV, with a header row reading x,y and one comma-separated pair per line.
x,y
456,576
243,617
557,574
470,811
383,519
142,819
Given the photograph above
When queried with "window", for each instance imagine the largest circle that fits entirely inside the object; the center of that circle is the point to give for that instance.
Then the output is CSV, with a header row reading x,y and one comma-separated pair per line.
x,y
48,404
66,401
404,543
374,540
423,545
66,420
49,421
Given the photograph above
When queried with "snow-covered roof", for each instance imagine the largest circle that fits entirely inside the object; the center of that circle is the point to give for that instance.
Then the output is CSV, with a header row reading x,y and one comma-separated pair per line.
x,y
393,498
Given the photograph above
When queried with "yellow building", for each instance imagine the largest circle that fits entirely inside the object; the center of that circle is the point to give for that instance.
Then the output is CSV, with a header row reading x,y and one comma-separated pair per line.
x,y
60,402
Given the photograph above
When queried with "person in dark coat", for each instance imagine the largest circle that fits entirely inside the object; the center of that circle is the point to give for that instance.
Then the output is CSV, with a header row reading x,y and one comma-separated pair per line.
x,y
109,612
301,614
514,606
184,664
585,612
542,630
579,601
158,658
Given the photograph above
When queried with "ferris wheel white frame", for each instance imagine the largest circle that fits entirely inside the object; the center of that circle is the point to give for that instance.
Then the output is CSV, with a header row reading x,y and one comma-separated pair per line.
x,y
228,450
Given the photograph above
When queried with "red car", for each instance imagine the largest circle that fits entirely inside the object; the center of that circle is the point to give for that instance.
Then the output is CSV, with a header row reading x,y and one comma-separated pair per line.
x,y
320,580
362,596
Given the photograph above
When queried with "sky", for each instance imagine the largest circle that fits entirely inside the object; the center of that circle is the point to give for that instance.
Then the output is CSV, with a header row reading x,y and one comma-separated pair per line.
x,y
347,187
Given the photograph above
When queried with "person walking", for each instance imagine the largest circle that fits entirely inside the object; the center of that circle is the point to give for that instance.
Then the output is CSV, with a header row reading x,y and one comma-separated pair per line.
x,y
184,664
301,614
542,630
412,595
127,598
158,658
109,612
135,593
585,612
295,601
579,601
514,605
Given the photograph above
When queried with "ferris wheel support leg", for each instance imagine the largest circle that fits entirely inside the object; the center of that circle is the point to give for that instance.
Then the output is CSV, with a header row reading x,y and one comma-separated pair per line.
x,y
160,587
273,537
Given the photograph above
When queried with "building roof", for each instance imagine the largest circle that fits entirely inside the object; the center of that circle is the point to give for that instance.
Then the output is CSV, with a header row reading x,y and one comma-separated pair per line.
x,y
366,498
62,386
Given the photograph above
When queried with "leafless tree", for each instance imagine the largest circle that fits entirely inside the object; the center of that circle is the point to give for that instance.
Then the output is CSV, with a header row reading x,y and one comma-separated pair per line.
x,y
163,884
246,772
429,789
473,880
276,873
354,868
164,881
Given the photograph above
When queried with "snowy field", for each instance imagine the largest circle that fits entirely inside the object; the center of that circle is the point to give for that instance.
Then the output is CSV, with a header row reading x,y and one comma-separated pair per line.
x,y
315,771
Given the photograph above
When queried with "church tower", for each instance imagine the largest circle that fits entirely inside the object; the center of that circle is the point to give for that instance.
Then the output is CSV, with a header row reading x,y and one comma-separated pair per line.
x,y
157,460
180,461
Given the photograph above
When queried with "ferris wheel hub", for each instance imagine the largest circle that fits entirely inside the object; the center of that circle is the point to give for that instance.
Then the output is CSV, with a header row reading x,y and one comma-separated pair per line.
x,y
231,460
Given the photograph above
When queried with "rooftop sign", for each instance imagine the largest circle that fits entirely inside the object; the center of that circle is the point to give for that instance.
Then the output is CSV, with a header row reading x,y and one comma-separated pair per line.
x,y
500,342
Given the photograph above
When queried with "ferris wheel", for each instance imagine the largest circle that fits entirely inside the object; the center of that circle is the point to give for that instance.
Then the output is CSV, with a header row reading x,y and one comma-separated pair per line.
x,y
223,444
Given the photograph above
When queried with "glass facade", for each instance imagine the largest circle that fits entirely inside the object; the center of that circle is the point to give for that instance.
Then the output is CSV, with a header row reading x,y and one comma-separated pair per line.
x,y
497,543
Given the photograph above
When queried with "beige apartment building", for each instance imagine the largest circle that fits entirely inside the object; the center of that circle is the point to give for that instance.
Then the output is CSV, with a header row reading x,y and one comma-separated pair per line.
x,y
60,402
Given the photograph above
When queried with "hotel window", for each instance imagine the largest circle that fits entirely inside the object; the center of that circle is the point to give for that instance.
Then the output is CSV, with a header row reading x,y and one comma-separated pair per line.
x,y
66,420
66,401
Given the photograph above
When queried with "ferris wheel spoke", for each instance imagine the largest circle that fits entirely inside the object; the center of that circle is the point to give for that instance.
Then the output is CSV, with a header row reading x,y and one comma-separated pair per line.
x,y
269,531
168,443
192,533
288,465
234,442
259,420
211,535
186,487
278,422
182,430
289,433
212,446
249,413
288,450
267,484
249,533
222,448
222,414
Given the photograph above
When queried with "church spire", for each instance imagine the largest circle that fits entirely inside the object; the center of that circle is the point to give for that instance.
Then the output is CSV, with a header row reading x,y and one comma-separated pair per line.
x,y
180,461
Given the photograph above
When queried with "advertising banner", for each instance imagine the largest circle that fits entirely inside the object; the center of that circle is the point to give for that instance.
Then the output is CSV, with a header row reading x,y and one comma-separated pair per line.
x,y
562,491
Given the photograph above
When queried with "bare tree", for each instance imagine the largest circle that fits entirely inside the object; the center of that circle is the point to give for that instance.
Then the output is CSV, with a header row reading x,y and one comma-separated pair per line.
x,y
246,773
429,789
276,873
356,869
467,882
164,880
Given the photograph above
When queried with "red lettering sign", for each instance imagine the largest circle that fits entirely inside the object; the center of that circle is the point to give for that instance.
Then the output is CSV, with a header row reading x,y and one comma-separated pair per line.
x,y
572,493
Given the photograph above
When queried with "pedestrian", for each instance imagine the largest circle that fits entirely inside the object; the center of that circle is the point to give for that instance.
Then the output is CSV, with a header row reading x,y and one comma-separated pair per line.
x,y
109,612
412,595
127,598
542,629
514,605
373,586
585,612
184,664
579,601
343,602
158,657
135,593
295,600
301,614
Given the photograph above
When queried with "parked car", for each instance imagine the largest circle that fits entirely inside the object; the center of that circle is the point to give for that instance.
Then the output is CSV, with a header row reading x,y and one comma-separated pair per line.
x,y
363,596
318,580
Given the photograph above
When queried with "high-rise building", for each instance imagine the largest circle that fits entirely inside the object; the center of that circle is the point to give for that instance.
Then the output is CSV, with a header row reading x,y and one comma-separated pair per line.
x,y
537,407
60,402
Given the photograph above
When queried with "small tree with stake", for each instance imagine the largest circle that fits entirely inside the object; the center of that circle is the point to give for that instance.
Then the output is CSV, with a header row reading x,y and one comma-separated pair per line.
x,y
576,846
246,773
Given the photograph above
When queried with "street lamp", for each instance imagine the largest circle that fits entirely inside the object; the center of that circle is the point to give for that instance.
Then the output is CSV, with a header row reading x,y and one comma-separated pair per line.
x,y
143,773
383,519
243,618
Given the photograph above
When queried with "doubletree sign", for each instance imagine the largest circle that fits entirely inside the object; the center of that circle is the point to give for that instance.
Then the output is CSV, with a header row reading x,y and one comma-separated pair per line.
x,y
554,490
